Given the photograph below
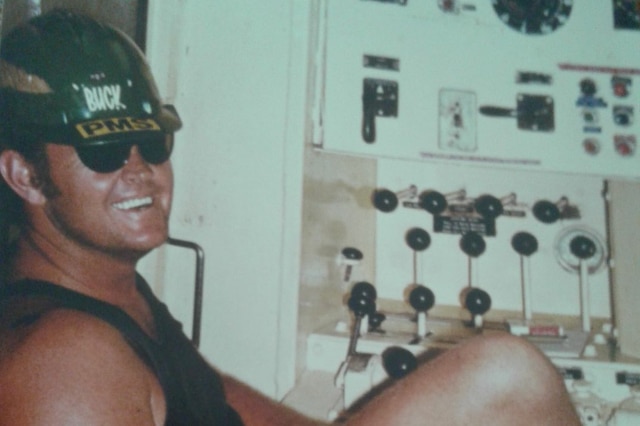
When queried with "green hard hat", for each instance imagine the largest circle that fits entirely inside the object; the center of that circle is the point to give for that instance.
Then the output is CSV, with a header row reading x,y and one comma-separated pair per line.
x,y
68,79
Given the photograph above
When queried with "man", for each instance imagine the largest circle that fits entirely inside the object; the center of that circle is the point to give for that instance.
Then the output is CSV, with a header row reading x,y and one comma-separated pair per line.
x,y
85,147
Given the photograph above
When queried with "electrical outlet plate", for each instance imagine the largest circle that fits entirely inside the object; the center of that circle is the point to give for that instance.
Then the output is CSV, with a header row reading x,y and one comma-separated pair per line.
x,y
457,124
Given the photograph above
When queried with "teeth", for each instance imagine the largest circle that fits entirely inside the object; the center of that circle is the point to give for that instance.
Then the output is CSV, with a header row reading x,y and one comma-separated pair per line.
x,y
133,204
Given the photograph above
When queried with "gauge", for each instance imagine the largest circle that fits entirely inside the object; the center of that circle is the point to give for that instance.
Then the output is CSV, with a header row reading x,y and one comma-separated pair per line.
x,y
533,16
626,14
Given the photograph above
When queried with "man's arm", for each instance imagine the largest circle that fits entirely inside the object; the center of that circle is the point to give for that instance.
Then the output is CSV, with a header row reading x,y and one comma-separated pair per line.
x,y
73,369
259,410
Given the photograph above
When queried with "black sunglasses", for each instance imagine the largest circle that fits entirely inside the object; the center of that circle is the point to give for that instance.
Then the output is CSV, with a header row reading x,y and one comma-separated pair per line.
x,y
107,158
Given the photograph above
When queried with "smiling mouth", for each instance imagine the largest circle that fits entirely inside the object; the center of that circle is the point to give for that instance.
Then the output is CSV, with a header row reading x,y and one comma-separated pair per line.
x,y
134,203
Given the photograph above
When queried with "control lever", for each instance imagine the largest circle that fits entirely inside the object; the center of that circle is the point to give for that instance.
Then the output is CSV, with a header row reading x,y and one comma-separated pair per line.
x,y
362,293
379,99
525,245
420,297
477,302
362,303
418,240
360,372
583,248
421,300
472,298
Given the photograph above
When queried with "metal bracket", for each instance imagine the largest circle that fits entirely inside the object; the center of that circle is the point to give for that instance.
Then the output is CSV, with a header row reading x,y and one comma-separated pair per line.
x,y
198,288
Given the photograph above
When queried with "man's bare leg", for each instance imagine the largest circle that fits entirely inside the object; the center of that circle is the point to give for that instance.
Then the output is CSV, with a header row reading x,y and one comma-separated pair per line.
x,y
497,380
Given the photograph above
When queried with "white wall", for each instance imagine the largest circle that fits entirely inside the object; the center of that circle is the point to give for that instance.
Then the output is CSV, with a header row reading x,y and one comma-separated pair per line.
x,y
235,69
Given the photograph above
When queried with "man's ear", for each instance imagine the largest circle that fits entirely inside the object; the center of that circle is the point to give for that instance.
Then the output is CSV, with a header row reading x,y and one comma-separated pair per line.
x,y
20,176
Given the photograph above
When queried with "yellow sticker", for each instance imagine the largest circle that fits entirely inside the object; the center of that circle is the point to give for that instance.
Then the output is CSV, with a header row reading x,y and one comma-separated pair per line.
x,y
110,126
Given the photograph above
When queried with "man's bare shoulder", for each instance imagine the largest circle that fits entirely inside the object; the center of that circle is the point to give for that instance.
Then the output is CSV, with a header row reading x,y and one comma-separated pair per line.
x,y
69,367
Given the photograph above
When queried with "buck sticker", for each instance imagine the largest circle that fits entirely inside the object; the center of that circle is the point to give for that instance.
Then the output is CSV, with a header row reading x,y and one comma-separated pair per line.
x,y
104,98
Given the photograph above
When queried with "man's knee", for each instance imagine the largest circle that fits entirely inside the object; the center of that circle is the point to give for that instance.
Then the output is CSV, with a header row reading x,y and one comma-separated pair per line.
x,y
510,363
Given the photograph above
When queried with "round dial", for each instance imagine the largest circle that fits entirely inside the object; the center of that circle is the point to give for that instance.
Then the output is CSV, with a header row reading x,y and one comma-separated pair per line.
x,y
533,16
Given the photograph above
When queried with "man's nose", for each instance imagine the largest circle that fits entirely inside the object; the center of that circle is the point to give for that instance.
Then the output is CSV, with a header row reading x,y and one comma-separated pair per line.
x,y
135,165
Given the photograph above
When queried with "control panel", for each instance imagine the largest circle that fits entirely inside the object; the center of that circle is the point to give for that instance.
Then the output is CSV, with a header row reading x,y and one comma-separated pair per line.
x,y
495,128
549,86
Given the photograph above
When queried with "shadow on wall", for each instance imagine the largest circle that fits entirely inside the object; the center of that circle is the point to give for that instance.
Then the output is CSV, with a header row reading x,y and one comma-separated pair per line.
x,y
128,15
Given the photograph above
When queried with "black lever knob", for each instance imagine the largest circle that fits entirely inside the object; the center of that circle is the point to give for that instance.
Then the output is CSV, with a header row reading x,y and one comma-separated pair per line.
x,y
546,211
582,247
384,200
433,202
472,244
421,298
364,289
488,206
351,253
476,300
398,362
418,239
524,243
361,305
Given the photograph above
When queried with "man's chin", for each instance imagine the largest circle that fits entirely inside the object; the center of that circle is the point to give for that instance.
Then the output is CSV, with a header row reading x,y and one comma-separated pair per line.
x,y
139,249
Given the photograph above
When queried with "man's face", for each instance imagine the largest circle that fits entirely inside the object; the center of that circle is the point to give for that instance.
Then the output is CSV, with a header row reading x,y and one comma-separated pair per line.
x,y
124,213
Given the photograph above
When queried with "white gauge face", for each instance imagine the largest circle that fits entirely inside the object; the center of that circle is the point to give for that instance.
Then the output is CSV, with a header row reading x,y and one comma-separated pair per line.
x,y
533,16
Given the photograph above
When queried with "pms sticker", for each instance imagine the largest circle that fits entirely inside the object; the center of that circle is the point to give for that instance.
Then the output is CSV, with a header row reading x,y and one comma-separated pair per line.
x,y
110,126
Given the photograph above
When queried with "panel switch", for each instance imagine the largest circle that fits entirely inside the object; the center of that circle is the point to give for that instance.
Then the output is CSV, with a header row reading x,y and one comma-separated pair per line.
x,y
379,99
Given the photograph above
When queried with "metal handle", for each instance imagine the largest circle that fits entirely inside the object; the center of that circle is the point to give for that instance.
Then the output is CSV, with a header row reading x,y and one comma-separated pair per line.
x,y
199,285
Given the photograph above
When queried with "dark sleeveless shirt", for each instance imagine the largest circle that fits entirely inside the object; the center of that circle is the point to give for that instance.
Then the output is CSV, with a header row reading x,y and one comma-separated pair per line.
x,y
192,389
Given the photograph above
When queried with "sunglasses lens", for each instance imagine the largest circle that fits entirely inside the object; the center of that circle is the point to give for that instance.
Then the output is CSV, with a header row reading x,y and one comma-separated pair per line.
x,y
108,158
156,150
104,158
